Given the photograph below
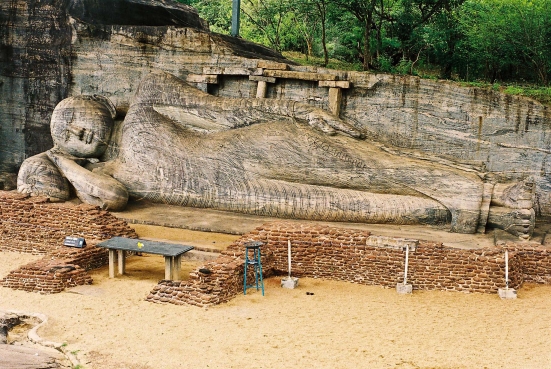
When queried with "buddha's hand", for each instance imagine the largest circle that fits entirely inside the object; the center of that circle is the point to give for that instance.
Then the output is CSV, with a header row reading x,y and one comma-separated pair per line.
x,y
55,154
323,120
330,124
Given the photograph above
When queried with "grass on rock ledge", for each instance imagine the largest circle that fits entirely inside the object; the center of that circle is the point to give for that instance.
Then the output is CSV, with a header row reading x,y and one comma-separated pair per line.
x,y
541,94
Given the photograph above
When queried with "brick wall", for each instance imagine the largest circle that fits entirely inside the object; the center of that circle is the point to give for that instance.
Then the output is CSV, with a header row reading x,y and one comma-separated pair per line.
x,y
359,257
45,276
35,226
535,262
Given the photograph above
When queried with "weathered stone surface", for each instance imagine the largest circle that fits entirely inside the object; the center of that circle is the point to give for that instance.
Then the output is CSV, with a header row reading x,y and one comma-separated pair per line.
x,y
339,84
52,49
504,135
18,354
35,55
21,357
47,54
135,12
263,79
8,181
7,322
272,65
38,176
236,71
305,76
246,155
202,78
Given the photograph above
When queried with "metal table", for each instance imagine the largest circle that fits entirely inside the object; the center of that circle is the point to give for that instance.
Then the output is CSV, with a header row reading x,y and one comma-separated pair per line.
x,y
172,253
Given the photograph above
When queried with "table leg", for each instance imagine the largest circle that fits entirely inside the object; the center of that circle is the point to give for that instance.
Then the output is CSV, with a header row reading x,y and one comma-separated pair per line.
x,y
121,255
177,268
111,263
168,267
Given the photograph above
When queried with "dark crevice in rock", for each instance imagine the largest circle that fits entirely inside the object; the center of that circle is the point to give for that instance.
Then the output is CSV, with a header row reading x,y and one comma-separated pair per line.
x,y
136,12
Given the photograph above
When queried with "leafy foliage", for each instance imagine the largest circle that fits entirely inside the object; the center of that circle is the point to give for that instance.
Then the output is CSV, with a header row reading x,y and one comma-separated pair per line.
x,y
468,40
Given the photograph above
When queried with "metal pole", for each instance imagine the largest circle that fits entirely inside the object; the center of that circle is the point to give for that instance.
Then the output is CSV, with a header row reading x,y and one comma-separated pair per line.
x,y
235,16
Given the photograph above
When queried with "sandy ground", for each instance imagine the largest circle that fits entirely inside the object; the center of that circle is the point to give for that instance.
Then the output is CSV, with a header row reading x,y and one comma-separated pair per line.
x,y
110,325
201,240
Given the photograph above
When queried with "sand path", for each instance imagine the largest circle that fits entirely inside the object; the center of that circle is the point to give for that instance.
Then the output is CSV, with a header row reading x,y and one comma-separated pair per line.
x,y
109,325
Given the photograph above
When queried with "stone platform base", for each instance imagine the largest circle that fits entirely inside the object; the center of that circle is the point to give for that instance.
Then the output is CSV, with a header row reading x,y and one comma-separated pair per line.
x,y
404,289
507,293
289,282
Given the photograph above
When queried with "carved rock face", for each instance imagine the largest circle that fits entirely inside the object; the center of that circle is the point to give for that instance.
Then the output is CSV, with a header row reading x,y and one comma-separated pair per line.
x,y
38,176
81,125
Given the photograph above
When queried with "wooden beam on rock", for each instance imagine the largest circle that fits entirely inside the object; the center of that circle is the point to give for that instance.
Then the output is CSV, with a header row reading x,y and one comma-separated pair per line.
x,y
305,76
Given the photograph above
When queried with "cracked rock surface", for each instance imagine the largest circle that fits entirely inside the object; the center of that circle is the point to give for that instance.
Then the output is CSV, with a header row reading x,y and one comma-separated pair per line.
x,y
16,352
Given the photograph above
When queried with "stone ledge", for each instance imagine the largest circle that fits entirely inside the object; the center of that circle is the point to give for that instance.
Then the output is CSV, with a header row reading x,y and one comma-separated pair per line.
x,y
233,71
335,84
266,64
203,78
263,79
305,76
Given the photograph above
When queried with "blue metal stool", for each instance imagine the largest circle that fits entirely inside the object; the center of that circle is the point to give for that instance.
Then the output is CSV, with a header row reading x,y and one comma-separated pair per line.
x,y
256,264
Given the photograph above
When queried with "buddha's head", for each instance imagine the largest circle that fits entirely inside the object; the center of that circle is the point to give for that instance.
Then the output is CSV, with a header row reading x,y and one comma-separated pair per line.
x,y
81,125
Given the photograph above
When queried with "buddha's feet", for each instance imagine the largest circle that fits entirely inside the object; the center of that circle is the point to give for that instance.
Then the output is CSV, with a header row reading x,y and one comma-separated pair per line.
x,y
518,222
515,196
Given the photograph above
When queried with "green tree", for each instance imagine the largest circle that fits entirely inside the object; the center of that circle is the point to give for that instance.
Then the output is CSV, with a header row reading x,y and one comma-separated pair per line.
x,y
529,32
305,19
422,27
364,12
488,39
216,12
269,19
506,38
446,39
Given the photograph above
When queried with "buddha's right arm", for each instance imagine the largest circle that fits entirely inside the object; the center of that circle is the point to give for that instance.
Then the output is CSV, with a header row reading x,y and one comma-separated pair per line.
x,y
92,188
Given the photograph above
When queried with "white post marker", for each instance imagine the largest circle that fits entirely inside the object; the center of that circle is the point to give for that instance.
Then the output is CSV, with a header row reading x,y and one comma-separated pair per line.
x,y
507,293
406,268
506,269
405,288
289,282
289,255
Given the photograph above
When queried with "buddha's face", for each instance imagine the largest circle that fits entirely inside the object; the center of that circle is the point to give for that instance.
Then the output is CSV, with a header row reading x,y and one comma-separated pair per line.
x,y
81,125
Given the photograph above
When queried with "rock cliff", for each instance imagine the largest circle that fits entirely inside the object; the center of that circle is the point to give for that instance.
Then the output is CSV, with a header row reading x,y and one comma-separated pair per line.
x,y
51,49
57,48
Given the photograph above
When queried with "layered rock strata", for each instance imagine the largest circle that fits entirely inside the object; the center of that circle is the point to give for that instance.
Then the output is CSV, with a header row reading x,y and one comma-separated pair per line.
x,y
47,47
56,48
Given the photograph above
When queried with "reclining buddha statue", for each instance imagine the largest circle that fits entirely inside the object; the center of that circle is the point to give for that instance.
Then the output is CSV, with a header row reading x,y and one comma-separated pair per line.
x,y
178,145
